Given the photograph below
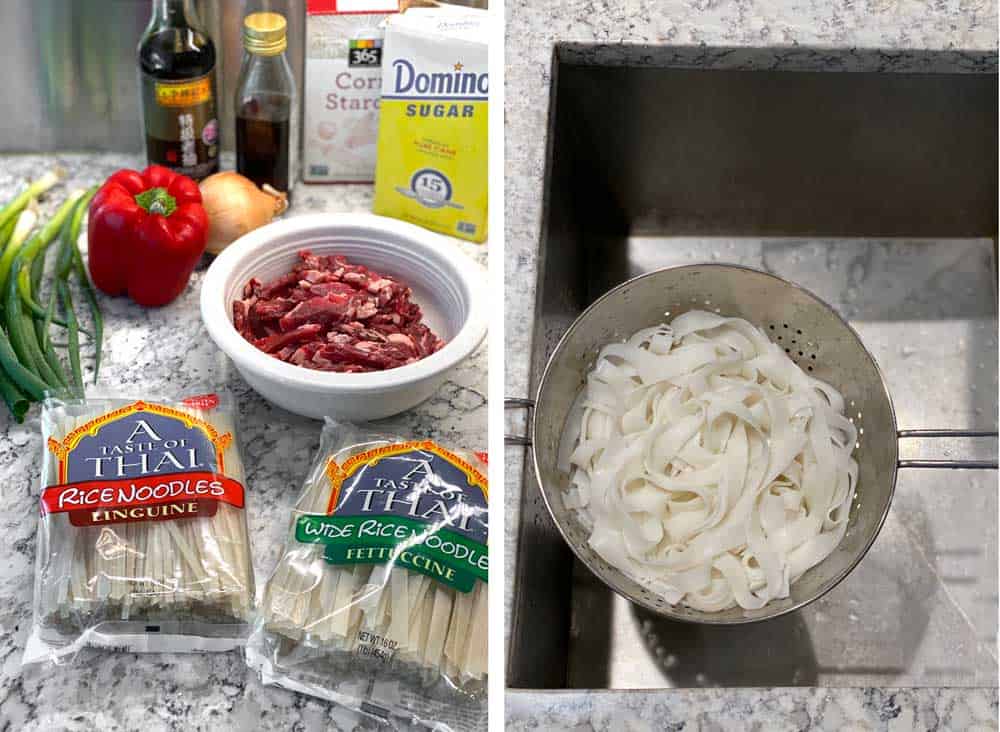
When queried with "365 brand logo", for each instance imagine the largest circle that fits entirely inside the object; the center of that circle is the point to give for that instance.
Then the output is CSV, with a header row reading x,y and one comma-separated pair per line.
x,y
367,52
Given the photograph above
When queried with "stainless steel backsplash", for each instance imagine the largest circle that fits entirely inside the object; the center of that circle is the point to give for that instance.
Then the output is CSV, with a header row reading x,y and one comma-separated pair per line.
x,y
70,80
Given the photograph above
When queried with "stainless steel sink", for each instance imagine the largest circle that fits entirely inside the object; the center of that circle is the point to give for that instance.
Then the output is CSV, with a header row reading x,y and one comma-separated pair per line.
x,y
877,191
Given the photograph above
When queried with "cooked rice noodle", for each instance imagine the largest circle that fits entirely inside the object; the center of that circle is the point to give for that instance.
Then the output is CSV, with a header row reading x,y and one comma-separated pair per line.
x,y
707,465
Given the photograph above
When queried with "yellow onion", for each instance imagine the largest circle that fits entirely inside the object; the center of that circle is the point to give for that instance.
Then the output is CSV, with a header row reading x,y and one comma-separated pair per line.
x,y
236,206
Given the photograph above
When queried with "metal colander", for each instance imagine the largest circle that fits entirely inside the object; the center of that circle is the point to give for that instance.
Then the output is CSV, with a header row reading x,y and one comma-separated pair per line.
x,y
812,334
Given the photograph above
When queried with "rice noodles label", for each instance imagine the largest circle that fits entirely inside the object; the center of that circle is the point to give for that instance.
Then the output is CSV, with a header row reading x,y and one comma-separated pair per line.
x,y
143,462
414,504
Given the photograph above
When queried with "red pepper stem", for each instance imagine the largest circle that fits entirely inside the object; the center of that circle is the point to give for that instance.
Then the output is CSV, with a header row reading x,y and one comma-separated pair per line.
x,y
157,201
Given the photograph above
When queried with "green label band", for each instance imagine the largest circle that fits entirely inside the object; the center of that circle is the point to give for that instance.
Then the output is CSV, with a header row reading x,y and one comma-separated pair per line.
x,y
443,555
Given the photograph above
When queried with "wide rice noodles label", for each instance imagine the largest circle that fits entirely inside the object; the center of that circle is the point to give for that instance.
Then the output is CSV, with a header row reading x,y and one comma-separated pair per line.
x,y
413,504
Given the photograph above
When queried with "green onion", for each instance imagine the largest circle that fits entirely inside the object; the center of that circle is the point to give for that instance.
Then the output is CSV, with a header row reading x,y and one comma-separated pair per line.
x,y
15,399
6,231
25,223
34,190
39,244
49,353
20,327
12,313
30,368
95,307
68,261
25,379
50,311
74,340
36,270
71,233
64,261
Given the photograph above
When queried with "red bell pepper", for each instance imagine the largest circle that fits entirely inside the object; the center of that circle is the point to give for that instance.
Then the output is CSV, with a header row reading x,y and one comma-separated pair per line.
x,y
146,233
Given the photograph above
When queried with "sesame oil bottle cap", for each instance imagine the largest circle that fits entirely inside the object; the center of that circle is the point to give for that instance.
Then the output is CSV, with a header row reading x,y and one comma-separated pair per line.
x,y
265,33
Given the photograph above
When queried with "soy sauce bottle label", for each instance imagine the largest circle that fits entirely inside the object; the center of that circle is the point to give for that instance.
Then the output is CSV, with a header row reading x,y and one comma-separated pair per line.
x,y
182,129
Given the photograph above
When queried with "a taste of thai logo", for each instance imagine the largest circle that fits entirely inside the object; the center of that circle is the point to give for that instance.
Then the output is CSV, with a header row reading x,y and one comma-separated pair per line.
x,y
138,463
429,484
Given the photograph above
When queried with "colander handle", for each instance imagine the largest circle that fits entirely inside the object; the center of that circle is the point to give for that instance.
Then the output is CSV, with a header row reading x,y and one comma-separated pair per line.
x,y
518,403
954,464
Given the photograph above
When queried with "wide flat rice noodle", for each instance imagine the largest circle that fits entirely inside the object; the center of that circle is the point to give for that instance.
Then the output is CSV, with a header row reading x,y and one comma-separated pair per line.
x,y
707,465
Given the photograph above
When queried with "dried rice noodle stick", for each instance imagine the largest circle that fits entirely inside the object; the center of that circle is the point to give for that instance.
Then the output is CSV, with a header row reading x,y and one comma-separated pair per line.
x,y
226,565
227,525
458,629
424,624
440,615
60,548
416,614
399,625
475,659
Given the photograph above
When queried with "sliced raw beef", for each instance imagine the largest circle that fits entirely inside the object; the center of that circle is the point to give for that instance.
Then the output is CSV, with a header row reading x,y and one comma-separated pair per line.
x,y
331,315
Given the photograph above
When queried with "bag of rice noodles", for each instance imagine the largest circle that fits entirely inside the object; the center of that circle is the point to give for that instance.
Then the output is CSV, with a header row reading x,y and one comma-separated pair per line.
x,y
379,600
142,538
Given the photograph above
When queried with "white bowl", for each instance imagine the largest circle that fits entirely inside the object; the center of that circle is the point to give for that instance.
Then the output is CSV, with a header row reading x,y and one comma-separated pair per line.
x,y
449,287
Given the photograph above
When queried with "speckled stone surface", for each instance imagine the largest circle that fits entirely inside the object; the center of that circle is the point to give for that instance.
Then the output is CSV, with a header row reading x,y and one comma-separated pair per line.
x,y
755,710
736,34
167,351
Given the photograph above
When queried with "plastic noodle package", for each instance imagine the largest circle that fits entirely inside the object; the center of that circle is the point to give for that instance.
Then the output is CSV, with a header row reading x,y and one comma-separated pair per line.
x,y
379,600
142,539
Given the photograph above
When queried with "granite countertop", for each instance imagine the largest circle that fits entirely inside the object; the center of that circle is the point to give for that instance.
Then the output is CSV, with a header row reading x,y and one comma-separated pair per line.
x,y
811,34
167,351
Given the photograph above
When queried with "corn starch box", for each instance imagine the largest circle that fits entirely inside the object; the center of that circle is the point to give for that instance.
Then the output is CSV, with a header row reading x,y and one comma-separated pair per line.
x,y
432,143
343,83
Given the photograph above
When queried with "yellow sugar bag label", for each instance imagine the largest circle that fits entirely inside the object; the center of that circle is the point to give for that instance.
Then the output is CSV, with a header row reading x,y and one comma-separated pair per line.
x,y
431,166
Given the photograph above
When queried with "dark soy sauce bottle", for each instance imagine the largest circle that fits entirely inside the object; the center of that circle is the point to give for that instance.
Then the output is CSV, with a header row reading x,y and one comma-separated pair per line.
x,y
265,104
177,81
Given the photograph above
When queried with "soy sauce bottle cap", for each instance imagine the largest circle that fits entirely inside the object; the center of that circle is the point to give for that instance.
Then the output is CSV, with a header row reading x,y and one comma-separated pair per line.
x,y
265,33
